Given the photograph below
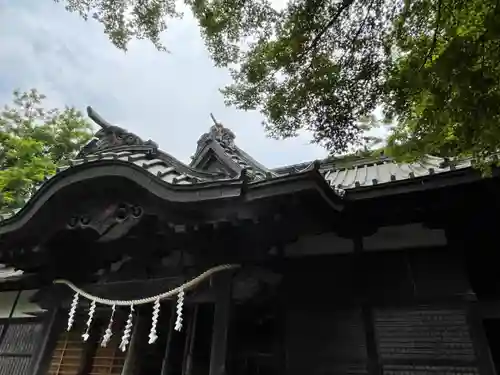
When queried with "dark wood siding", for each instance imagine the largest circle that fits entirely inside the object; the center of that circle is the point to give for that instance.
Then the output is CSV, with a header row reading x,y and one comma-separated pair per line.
x,y
326,342
18,346
424,340
324,329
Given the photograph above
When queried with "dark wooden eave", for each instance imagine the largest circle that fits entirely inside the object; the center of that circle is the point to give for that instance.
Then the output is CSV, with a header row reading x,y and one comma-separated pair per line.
x,y
186,195
115,154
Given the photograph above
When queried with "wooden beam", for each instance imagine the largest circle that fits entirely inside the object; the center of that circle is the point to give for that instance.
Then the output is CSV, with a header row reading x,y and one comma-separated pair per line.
x,y
222,285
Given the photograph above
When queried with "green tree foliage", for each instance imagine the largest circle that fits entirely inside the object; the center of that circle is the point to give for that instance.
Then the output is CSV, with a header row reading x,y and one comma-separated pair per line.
x,y
321,65
33,142
445,86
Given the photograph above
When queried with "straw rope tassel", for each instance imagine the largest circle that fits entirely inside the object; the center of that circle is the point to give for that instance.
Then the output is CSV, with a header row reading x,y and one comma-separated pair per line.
x,y
128,330
180,304
72,311
109,330
86,335
156,312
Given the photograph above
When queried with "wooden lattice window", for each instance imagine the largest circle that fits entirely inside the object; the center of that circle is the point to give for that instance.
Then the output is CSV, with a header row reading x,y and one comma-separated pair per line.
x,y
72,356
108,360
19,338
68,354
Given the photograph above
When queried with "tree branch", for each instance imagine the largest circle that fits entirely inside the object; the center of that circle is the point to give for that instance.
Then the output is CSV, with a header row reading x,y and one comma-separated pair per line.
x,y
345,4
434,38
356,36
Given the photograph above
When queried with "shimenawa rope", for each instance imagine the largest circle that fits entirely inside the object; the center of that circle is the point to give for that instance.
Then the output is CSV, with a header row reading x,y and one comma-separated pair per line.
x,y
186,286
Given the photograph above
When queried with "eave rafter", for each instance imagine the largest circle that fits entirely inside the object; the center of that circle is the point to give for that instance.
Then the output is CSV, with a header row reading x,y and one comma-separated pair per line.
x,y
186,196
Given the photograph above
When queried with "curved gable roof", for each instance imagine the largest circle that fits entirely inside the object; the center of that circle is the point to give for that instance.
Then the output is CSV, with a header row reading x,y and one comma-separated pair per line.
x,y
113,145
116,152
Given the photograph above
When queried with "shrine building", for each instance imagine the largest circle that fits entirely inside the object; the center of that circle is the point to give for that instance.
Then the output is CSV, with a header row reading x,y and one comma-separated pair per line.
x,y
129,262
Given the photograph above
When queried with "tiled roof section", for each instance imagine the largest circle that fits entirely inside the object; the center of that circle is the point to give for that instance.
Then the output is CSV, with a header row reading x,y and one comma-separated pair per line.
x,y
385,171
224,140
153,161
149,160
350,174
159,164
256,170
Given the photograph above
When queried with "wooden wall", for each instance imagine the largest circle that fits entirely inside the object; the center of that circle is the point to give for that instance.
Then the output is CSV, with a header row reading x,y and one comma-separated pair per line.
x,y
20,338
424,340
392,313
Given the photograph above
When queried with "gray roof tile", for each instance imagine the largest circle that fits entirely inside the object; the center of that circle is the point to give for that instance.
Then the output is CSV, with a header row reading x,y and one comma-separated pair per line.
x,y
386,171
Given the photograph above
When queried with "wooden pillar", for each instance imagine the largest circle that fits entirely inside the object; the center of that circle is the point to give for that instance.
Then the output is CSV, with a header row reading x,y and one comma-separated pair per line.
x,y
478,336
190,342
89,352
165,368
42,356
464,238
373,363
222,285
141,324
5,327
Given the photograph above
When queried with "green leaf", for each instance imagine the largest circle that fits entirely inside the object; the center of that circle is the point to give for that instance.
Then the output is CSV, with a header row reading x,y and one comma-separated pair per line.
x,y
33,142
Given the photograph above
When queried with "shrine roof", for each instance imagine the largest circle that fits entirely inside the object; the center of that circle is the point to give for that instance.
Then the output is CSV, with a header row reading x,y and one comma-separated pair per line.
x,y
218,159
350,174
219,142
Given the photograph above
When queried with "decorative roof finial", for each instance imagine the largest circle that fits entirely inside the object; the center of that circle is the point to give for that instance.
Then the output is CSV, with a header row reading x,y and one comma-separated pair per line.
x,y
221,134
94,116
214,119
217,133
110,137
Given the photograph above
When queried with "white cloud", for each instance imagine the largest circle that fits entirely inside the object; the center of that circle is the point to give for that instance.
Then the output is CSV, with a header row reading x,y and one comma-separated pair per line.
x,y
165,97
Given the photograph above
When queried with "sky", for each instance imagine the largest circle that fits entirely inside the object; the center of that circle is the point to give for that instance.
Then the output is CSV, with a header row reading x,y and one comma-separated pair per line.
x,y
164,97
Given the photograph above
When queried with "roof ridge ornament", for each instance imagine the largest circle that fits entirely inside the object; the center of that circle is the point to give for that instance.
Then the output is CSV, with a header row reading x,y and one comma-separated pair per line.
x,y
219,133
110,137
214,120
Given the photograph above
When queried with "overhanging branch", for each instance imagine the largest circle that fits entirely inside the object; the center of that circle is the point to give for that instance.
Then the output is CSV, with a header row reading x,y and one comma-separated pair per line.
x,y
434,37
345,4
